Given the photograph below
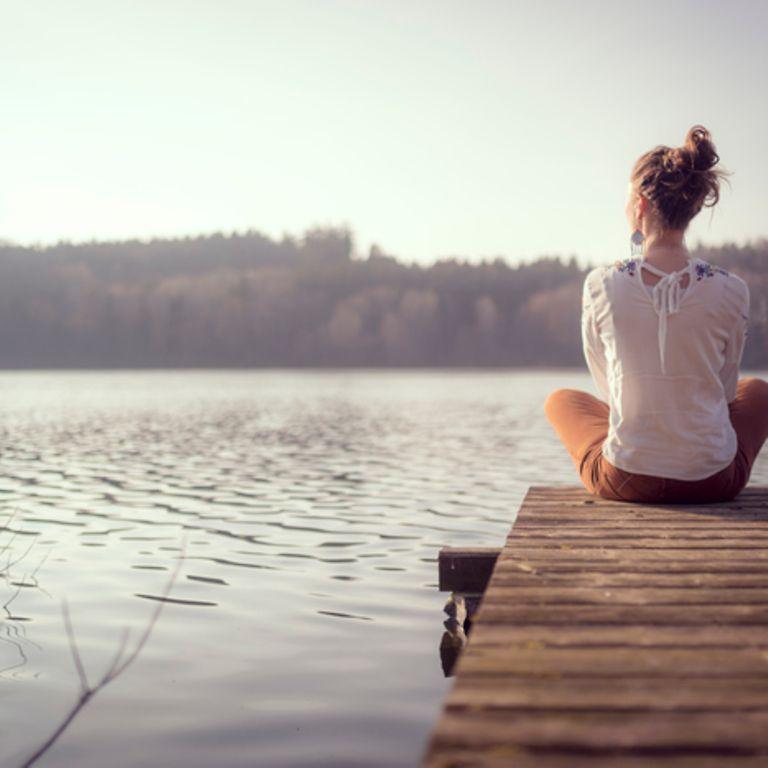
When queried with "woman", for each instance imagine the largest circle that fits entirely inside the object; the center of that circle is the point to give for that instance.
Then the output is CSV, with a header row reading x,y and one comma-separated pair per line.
x,y
663,335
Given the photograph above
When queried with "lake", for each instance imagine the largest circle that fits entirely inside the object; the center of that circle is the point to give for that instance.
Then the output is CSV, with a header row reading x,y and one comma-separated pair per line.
x,y
310,508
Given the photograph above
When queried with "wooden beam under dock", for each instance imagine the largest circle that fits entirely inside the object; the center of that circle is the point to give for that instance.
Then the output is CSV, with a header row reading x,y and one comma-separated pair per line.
x,y
466,569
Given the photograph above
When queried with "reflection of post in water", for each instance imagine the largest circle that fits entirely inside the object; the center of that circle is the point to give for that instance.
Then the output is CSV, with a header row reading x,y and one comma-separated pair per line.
x,y
466,573
460,609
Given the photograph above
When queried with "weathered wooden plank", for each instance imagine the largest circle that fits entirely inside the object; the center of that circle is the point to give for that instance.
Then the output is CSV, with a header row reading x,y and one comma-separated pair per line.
x,y
623,595
578,491
530,533
612,662
698,616
744,500
601,731
653,694
518,566
622,635
553,578
525,544
564,502
702,515
752,519
506,756
575,491
626,524
703,510
627,552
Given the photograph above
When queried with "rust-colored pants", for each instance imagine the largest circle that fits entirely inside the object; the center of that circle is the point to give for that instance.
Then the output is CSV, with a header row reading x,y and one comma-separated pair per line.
x,y
581,422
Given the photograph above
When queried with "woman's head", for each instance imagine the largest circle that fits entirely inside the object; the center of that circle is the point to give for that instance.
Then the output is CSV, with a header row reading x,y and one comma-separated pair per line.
x,y
670,185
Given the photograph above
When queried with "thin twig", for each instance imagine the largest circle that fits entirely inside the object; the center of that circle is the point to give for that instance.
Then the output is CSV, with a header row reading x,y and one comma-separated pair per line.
x,y
9,626
5,570
10,563
151,625
76,658
19,586
20,649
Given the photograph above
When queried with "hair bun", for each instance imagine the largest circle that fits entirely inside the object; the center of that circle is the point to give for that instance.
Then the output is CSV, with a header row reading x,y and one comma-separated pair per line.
x,y
676,162
700,149
679,181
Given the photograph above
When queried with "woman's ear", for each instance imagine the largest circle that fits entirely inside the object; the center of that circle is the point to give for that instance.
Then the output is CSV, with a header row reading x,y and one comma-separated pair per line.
x,y
641,205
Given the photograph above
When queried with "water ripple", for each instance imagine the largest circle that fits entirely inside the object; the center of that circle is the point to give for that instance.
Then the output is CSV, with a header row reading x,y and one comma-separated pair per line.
x,y
313,504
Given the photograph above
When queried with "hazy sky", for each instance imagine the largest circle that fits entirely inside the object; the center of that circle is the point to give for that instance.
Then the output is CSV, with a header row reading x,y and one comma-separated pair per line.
x,y
431,127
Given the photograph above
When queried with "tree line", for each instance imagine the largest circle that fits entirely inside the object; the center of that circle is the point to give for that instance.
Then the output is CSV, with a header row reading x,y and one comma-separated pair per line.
x,y
247,300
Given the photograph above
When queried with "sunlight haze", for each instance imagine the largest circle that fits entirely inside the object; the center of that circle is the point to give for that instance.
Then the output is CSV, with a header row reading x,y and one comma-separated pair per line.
x,y
432,129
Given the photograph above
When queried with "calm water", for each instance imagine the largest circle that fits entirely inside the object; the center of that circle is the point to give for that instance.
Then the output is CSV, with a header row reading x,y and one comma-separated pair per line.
x,y
308,622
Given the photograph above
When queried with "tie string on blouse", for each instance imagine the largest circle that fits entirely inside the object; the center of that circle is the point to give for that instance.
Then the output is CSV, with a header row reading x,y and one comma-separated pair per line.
x,y
666,299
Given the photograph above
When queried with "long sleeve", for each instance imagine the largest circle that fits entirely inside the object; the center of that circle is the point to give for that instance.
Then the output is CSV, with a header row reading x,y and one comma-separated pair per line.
x,y
734,347
594,353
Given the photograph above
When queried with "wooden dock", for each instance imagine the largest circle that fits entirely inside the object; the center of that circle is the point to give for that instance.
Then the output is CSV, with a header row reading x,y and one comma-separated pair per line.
x,y
617,635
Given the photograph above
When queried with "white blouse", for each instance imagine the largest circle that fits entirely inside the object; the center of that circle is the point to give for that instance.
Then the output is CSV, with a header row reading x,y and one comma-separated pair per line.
x,y
666,360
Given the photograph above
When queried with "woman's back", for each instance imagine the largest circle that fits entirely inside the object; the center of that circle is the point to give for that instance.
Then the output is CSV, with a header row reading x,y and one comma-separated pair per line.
x,y
665,358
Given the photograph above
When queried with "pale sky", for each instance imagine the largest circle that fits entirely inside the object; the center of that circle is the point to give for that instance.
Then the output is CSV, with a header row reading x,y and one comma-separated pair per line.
x,y
433,128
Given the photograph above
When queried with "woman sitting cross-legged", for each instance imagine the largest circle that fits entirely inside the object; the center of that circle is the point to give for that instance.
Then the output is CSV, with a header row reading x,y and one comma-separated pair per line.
x,y
663,335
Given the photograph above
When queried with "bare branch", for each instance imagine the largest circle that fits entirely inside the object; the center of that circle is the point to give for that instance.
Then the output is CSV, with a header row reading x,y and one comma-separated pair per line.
x,y
10,563
153,620
119,663
21,584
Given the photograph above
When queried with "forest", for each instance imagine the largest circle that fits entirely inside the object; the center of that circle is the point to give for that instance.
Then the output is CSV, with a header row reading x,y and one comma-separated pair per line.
x,y
246,300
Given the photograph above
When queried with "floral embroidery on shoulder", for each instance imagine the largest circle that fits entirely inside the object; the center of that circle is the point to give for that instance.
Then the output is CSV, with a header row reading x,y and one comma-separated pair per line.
x,y
626,265
705,269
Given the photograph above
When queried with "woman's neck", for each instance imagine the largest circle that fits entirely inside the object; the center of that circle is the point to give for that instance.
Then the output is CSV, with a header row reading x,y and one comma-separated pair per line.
x,y
666,250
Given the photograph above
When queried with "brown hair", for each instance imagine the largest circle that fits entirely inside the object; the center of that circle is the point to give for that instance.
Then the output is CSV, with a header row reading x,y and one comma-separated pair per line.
x,y
678,181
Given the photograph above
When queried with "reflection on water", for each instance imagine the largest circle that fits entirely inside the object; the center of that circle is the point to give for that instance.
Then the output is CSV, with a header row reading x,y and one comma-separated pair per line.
x,y
460,609
303,628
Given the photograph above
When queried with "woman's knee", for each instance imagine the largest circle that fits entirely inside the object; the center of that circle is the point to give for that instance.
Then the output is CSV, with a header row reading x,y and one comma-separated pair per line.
x,y
754,388
555,398
559,400
565,401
